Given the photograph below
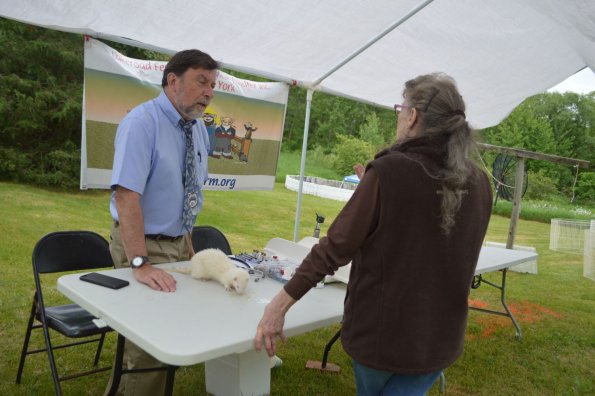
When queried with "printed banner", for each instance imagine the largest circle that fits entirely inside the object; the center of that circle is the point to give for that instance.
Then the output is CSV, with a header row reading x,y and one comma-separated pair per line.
x,y
244,120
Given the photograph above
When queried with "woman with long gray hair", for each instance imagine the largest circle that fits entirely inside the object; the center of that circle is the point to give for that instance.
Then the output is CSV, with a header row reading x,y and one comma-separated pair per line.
x,y
413,231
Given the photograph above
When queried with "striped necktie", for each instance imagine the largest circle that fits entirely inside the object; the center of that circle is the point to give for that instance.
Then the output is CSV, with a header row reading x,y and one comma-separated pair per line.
x,y
190,179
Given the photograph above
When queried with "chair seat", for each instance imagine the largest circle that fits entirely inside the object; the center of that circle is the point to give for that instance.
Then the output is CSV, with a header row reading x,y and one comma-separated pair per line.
x,y
72,321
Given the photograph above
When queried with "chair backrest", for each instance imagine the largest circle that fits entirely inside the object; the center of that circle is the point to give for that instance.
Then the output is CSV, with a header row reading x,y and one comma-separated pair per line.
x,y
205,237
69,251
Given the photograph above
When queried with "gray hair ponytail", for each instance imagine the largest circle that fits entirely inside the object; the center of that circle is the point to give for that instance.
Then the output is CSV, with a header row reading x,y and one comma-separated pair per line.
x,y
441,111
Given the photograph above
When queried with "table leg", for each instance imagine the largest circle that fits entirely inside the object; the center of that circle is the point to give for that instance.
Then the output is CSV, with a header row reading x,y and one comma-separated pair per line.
x,y
503,301
119,371
169,381
117,375
502,288
247,373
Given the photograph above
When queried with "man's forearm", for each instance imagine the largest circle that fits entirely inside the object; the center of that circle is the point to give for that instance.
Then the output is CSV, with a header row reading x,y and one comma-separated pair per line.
x,y
131,220
132,231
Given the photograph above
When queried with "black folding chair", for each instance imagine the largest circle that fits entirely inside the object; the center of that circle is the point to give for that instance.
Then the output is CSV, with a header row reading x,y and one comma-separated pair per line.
x,y
209,237
65,252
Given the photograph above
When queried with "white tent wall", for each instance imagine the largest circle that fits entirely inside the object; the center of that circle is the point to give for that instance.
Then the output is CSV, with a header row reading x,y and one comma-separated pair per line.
x,y
499,51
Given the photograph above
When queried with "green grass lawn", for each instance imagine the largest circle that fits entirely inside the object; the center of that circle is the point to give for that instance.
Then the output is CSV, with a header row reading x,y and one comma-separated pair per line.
x,y
289,164
556,308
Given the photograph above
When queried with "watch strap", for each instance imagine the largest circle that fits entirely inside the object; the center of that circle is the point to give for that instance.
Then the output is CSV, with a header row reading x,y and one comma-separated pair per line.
x,y
143,260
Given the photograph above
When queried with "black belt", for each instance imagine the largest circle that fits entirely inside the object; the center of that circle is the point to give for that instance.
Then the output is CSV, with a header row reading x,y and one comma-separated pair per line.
x,y
157,237
161,237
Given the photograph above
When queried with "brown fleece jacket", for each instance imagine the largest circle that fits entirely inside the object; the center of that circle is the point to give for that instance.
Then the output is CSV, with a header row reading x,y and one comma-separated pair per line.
x,y
406,309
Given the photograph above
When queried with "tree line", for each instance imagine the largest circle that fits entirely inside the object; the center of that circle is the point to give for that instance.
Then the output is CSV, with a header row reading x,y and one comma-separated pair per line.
x,y
41,84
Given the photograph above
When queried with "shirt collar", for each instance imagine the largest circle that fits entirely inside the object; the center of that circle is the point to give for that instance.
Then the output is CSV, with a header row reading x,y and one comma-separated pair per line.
x,y
169,110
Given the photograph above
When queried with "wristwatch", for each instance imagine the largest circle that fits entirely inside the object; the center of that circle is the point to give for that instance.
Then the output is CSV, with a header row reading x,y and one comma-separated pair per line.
x,y
138,261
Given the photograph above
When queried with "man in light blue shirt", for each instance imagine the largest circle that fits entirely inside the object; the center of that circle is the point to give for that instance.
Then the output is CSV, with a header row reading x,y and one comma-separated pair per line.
x,y
157,187
149,160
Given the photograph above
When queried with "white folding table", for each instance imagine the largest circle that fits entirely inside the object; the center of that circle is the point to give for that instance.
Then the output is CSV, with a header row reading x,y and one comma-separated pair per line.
x,y
492,259
201,322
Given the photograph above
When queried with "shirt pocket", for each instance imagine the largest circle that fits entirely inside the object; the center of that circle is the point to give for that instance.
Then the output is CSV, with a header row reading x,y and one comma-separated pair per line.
x,y
201,165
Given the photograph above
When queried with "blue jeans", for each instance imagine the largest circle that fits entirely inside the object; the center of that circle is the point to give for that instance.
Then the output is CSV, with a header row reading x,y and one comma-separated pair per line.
x,y
371,382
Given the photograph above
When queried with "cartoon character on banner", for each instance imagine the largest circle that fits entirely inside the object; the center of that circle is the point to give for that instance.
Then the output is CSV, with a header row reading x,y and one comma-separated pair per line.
x,y
223,137
241,145
211,124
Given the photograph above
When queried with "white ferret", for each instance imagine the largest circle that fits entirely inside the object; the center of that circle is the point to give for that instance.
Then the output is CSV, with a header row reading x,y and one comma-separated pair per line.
x,y
214,264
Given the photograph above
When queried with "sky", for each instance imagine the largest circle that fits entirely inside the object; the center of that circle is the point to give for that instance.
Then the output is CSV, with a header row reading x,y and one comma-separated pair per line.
x,y
582,82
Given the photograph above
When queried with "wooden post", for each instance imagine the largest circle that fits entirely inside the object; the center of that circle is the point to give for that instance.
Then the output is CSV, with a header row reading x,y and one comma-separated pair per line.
x,y
532,155
516,205
520,170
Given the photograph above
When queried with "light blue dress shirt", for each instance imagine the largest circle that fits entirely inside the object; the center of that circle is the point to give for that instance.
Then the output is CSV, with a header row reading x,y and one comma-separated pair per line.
x,y
149,159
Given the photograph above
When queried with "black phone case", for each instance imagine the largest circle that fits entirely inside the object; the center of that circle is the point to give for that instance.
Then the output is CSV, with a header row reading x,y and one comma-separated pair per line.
x,y
104,280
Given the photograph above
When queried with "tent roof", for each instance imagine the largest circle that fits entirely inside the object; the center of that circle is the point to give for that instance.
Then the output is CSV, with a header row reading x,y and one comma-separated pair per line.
x,y
499,51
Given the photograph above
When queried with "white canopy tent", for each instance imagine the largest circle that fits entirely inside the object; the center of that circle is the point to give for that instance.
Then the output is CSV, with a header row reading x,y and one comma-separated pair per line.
x,y
499,51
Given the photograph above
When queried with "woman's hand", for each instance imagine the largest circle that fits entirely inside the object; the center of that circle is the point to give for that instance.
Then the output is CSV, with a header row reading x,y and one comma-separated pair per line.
x,y
359,171
271,325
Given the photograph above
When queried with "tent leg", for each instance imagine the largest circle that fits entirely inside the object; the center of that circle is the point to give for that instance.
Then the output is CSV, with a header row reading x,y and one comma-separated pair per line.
x,y
516,208
303,164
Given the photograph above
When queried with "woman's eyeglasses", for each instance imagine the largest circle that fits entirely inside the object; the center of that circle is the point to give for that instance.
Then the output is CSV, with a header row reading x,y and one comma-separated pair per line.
x,y
399,108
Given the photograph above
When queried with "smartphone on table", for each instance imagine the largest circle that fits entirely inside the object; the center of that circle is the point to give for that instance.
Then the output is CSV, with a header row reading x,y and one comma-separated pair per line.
x,y
104,280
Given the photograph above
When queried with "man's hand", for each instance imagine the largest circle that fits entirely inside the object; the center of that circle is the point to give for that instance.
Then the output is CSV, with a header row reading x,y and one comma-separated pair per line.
x,y
155,278
271,324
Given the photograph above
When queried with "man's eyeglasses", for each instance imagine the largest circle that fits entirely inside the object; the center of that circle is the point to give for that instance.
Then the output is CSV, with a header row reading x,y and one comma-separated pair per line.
x,y
399,108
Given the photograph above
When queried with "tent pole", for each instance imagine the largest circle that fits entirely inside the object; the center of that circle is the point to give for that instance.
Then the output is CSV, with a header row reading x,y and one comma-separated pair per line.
x,y
309,102
372,41
83,186
303,164
414,11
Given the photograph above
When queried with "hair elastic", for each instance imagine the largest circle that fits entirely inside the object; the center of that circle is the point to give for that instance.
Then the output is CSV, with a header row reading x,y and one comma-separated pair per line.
x,y
459,112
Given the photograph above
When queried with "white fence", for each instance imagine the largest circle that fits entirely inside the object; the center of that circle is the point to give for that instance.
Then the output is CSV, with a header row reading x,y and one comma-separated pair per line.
x,y
325,188
568,235
589,266
575,236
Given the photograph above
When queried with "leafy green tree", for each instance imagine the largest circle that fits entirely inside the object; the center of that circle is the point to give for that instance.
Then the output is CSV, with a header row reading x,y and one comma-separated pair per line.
x,y
350,151
370,132
523,129
585,188
41,86
294,120
572,118
540,186
552,123
330,115
41,74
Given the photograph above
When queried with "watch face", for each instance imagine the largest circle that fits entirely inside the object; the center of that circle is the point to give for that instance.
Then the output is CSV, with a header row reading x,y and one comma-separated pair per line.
x,y
138,261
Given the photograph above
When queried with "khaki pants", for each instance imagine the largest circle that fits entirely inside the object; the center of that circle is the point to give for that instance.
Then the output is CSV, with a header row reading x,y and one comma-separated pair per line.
x,y
150,383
